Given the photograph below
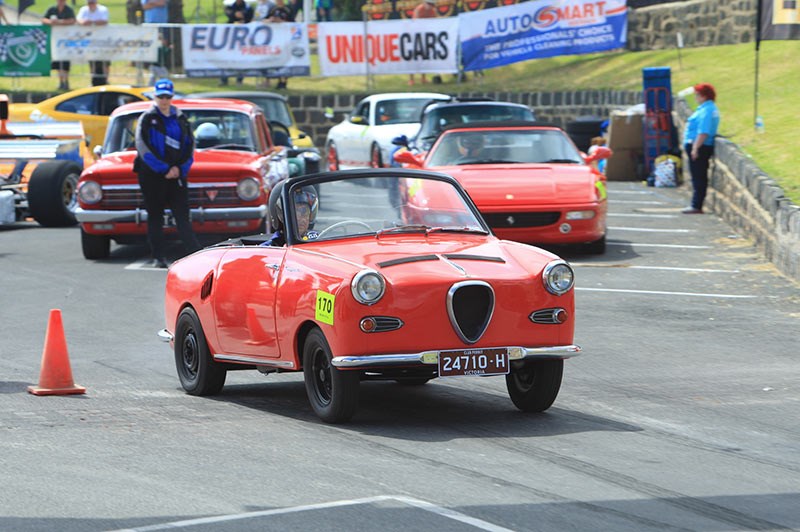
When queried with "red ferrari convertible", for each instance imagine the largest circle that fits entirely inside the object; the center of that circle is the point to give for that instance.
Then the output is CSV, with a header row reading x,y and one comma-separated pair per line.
x,y
372,274
529,181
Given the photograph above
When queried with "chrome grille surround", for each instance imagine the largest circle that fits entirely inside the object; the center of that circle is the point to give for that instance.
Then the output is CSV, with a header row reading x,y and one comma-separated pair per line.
x,y
546,316
458,311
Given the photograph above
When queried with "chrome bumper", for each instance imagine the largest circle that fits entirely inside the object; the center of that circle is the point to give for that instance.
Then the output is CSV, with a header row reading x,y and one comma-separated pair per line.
x,y
198,215
432,357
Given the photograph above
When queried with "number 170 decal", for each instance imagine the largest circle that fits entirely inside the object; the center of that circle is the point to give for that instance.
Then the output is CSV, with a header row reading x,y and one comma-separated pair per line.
x,y
324,307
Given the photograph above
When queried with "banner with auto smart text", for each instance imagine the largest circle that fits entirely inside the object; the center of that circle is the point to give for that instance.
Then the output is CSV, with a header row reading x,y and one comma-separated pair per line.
x,y
540,28
114,42
255,49
388,47
24,51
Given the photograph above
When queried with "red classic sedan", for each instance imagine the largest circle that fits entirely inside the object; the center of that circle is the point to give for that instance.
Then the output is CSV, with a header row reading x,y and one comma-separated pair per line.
x,y
362,281
529,181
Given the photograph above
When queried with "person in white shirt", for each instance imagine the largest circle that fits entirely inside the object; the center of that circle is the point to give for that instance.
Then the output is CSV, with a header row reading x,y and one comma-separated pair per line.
x,y
94,14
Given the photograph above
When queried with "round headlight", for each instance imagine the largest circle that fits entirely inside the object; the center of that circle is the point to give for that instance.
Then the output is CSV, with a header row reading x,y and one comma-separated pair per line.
x,y
368,287
248,189
90,192
558,277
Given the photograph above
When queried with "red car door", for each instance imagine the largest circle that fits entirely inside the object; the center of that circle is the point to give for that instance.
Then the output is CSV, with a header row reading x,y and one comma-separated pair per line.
x,y
245,301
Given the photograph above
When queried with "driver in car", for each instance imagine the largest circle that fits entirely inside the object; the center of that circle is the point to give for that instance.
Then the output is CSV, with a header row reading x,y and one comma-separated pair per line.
x,y
306,205
470,146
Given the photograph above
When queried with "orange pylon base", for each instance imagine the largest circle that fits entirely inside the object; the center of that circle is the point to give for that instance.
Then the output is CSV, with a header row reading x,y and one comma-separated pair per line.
x,y
55,377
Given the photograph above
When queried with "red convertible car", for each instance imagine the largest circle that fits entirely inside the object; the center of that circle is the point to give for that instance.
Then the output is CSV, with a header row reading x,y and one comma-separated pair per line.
x,y
361,282
529,181
235,165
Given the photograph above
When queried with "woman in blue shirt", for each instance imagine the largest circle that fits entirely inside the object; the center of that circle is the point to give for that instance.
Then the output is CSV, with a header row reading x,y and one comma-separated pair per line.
x,y
698,141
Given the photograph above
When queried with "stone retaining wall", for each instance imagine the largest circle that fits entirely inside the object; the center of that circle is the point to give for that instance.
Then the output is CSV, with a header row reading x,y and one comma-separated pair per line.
x,y
753,203
701,22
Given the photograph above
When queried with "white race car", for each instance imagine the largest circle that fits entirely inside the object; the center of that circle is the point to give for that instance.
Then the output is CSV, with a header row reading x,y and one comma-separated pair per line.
x,y
364,138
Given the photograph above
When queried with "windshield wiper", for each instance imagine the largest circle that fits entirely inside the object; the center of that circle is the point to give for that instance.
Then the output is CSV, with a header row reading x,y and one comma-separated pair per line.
x,y
411,228
231,147
463,229
488,161
567,161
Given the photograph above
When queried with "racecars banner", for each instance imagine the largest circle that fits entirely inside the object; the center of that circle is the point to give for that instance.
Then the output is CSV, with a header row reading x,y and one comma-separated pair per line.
x,y
256,49
780,20
540,28
117,42
24,51
388,47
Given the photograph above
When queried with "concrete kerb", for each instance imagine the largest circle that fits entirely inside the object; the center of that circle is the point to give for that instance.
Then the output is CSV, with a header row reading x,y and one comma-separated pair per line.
x,y
752,202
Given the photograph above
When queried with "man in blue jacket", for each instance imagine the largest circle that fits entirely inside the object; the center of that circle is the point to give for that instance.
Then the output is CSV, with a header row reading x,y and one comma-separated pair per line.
x,y
165,145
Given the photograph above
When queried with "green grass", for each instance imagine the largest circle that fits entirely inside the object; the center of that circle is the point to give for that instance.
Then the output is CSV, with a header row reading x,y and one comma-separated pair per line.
x,y
729,68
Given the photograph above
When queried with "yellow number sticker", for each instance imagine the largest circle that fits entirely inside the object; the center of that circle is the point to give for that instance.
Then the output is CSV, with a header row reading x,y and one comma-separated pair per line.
x,y
325,305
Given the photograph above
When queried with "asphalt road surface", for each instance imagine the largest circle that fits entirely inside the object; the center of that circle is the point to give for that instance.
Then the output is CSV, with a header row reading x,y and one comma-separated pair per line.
x,y
681,414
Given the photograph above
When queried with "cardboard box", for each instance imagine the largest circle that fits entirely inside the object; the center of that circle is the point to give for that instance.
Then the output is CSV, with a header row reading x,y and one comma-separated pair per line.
x,y
625,130
624,165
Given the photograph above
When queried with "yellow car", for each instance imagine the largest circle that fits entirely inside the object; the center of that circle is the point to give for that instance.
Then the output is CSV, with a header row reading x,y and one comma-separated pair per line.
x,y
90,106
275,107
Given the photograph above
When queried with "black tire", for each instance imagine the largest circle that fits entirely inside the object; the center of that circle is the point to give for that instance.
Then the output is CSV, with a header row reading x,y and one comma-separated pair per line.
x,y
332,157
197,371
333,393
412,381
95,247
52,193
534,386
598,247
375,157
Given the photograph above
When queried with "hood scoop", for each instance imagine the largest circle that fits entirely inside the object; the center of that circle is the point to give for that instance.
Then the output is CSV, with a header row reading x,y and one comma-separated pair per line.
x,y
406,260
470,305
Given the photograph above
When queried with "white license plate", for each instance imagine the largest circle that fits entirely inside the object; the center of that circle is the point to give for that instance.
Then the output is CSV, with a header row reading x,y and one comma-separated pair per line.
x,y
473,362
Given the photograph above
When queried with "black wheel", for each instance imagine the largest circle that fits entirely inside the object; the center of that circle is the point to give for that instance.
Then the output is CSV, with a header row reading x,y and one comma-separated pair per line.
x,y
197,371
95,246
598,247
375,158
534,386
52,193
333,157
333,393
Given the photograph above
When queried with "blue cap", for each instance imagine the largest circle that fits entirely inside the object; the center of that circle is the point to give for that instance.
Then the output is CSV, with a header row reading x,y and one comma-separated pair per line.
x,y
164,86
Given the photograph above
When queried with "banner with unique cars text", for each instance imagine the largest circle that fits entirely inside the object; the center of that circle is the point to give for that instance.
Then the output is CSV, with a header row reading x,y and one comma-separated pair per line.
x,y
540,28
388,47
117,42
24,51
255,49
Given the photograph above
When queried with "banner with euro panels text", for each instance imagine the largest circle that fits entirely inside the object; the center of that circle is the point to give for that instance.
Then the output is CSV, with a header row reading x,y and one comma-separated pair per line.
x,y
540,28
24,51
388,47
255,49
118,42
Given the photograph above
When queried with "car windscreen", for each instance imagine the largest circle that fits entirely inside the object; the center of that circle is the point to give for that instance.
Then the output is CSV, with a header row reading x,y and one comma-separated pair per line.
x,y
499,146
403,111
436,119
379,206
274,108
212,128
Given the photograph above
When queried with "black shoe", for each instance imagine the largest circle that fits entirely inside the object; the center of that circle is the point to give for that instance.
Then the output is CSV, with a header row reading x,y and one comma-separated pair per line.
x,y
160,263
692,210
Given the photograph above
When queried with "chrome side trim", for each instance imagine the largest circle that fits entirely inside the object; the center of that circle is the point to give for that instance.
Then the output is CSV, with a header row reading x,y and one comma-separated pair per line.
x,y
432,357
165,336
256,361
197,215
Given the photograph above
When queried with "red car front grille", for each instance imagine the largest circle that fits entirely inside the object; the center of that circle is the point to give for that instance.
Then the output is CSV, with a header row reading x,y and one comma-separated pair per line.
x,y
131,198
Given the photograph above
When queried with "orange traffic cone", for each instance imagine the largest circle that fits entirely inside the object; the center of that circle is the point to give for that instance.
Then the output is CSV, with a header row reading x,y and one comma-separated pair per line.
x,y
55,377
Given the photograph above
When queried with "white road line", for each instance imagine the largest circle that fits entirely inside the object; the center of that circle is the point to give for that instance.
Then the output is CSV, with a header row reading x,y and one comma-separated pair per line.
x,y
629,215
664,268
660,293
638,244
651,230
444,512
615,191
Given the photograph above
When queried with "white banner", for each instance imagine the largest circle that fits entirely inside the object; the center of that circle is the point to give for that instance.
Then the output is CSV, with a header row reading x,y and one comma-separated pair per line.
x,y
255,49
117,42
392,47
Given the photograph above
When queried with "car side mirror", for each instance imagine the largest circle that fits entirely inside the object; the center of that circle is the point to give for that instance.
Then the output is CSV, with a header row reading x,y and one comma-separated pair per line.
x,y
600,153
302,135
357,120
97,151
407,158
402,140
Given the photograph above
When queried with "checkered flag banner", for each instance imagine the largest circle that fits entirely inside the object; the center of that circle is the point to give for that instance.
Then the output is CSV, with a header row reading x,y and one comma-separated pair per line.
x,y
39,37
4,46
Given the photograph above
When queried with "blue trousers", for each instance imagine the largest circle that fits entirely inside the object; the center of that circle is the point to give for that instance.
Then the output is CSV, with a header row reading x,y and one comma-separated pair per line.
x,y
699,170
